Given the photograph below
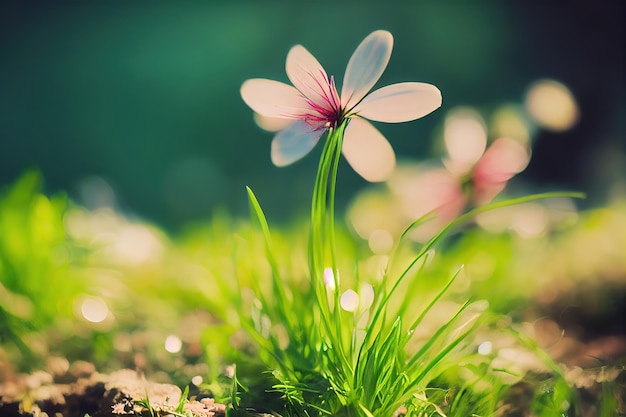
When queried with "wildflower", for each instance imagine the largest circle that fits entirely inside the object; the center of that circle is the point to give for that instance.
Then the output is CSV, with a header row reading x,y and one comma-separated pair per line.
x,y
313,105
478,172
472,173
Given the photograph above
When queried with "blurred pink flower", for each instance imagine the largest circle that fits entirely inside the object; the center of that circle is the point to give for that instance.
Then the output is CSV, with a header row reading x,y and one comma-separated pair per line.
x,y
501,161
471,175
303,112
480,180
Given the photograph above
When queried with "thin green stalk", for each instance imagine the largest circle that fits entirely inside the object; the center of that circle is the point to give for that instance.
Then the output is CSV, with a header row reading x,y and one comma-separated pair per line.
x,y
316,258
322,244
330,217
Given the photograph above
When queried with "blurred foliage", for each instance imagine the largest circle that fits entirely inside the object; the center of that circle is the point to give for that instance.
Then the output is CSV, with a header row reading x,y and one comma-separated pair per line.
x,y
39,280
57,256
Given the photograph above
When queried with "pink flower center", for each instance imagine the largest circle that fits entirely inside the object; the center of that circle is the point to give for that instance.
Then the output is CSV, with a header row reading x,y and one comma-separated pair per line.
x,y
326,111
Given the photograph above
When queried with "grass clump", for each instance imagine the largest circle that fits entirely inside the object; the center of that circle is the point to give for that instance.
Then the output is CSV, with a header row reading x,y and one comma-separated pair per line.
x,y
351,342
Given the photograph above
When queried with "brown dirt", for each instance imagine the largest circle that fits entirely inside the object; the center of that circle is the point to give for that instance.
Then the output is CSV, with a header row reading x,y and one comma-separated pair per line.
x,y
81,390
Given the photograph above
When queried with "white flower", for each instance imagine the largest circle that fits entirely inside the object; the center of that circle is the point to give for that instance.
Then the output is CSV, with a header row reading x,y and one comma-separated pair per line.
x,y
313,105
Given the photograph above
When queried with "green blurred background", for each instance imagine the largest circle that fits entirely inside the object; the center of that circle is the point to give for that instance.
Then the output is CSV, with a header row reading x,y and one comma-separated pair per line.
x,y
144,97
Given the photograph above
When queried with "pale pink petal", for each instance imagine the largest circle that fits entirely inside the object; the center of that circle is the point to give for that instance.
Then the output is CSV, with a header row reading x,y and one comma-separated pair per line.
x,y
273,98
423,190
440,191
367,151
465,137
293,143
365,67
400,102
502,160
309,77
271,124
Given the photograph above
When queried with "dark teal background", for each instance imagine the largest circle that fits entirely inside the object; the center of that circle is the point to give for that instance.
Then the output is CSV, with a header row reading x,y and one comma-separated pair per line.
x,y
146,94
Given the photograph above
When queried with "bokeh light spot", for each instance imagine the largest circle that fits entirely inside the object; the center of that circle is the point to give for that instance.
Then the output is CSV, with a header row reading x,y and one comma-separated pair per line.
x,y
552,105
349,301
94,309
485,348
380,241
369,212
173,344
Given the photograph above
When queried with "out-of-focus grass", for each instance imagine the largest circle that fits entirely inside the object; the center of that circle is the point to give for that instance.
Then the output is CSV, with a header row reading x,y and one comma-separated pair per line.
x,y
40,270
94,285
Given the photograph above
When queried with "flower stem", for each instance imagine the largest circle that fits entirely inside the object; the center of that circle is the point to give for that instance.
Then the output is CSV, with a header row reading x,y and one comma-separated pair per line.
x,y
322,253
323,207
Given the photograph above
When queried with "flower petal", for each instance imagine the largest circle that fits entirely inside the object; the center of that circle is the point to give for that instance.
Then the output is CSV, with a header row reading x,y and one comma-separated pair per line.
x,y
309,77
501,161
435,189
400,102
271,124
365,67
465,137
367,151
293,143
429,190
273,98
